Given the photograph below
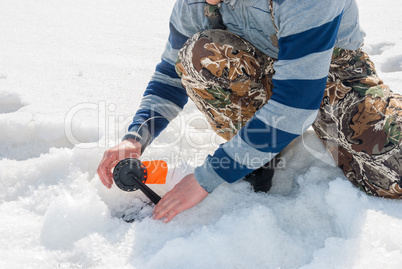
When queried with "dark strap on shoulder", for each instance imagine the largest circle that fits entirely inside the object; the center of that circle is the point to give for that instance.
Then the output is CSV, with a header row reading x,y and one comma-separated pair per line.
x,y
274,37
214,16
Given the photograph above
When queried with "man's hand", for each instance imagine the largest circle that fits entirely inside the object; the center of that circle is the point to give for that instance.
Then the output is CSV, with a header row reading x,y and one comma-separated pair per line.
x,y
186,194
129,148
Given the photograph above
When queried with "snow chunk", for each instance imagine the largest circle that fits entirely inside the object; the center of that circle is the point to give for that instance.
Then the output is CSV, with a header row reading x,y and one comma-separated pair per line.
x,y
72,217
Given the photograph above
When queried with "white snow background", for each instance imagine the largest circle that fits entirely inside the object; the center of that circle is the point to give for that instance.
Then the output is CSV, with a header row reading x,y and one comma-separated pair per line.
x,y
77,69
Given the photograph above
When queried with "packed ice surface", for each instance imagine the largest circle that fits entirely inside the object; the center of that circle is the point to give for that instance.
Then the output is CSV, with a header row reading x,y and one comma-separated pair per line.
x,y
72,74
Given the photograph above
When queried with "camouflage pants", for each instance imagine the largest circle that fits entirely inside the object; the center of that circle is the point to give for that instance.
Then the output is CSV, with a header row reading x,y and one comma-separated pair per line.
x,y
359,122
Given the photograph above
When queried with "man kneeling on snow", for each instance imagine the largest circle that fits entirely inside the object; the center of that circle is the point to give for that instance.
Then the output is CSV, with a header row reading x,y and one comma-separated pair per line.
x,y
262,72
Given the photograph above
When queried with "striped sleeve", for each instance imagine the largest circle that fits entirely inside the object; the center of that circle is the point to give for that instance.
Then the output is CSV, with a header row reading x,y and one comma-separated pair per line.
x,y
306,41
164,96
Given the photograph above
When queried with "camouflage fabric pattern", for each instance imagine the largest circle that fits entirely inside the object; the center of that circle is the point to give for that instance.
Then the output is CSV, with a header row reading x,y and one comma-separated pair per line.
x,y
214,16
360,119
360,122
212,11
228,83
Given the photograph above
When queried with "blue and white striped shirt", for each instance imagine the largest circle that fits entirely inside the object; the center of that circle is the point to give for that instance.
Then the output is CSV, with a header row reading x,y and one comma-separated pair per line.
x,y
308,32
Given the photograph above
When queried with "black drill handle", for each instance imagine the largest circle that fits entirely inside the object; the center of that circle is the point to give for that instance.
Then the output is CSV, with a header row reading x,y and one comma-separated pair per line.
x,y
130,174
147,191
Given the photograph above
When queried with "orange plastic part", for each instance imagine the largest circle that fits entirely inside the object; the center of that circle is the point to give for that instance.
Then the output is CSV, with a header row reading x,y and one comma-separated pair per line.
x,y
157,171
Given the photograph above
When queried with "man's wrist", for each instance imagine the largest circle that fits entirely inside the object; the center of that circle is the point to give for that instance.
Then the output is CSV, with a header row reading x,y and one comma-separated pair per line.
x,y
133,141
141,135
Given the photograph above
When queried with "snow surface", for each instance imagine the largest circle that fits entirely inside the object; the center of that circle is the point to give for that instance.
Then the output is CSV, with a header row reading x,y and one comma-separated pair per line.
x,y
72,74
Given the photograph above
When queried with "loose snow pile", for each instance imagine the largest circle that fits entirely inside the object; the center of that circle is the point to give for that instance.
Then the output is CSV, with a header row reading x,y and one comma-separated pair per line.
x,y
72,74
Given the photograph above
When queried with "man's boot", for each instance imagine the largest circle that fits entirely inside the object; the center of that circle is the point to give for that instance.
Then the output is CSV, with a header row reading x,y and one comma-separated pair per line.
x,y
261,178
